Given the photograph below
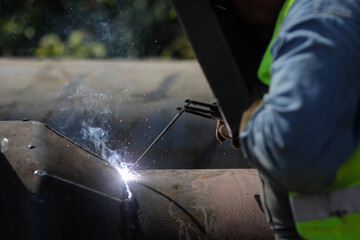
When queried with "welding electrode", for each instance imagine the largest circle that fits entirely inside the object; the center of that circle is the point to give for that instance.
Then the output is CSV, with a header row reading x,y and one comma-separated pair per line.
x,y
157,139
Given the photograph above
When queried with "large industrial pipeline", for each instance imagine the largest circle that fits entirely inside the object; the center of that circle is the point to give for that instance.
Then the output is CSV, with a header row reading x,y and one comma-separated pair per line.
x,y
50,188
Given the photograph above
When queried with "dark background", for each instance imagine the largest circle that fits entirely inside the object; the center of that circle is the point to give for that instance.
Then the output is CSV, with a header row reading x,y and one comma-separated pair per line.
x,y
91,29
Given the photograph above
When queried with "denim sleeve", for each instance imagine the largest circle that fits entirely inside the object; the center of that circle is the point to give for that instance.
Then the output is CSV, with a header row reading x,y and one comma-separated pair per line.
x,y
310,122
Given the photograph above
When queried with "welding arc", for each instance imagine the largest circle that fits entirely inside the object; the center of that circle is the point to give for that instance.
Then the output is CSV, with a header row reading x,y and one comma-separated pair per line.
x,y
157,139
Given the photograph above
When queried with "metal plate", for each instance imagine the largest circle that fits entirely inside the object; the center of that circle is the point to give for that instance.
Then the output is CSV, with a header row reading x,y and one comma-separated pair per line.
x,y
216,59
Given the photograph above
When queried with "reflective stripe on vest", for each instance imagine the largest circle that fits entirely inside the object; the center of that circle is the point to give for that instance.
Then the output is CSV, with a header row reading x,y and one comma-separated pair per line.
x,y
336,203
334,214
340,199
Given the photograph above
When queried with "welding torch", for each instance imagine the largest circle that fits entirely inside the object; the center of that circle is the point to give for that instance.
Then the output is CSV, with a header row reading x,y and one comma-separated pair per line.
x,y
210,111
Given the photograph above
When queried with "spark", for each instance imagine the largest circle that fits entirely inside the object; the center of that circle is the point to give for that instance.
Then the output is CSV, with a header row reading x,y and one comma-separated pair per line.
x,y
126,176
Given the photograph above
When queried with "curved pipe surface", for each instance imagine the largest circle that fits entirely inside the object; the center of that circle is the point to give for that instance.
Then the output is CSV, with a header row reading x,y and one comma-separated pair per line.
x,y
61,184
200,204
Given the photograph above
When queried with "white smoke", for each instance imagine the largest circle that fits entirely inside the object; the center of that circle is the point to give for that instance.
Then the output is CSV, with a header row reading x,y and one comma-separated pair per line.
x,y
85,118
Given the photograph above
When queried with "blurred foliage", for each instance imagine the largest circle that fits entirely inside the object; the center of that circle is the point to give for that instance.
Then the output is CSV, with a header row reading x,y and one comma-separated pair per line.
x,y
91,29
76,46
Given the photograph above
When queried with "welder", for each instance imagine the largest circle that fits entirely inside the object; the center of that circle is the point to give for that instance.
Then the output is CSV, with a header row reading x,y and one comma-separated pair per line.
x,y
304,135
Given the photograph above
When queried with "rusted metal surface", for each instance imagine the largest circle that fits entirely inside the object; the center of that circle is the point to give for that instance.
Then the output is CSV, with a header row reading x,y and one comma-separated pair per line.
x,y
76,194
55,155
195,204
52,189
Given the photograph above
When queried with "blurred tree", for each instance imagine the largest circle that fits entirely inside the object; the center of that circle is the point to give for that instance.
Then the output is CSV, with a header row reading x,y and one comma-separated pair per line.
x,y
91,29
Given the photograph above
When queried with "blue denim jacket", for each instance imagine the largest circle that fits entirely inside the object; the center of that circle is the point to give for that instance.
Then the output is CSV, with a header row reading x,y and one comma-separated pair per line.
x,y
310,122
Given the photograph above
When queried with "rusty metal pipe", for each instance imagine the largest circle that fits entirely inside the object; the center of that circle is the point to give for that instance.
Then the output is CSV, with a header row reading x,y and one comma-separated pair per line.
x,y
200,204
79,196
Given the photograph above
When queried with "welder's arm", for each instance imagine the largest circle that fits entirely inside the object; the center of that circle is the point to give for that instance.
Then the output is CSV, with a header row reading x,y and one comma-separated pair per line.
x,y
309,123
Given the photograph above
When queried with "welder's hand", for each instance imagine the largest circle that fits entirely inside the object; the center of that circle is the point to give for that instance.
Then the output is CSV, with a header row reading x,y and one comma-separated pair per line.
x,y
248,113
222,133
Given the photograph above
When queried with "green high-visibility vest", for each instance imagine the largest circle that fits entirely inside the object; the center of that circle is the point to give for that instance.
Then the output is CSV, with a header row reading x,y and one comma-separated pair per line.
x,y
335,212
